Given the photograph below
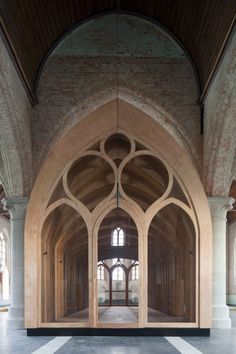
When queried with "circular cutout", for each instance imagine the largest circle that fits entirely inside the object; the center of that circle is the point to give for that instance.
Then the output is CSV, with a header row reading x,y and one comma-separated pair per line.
x,y
117,147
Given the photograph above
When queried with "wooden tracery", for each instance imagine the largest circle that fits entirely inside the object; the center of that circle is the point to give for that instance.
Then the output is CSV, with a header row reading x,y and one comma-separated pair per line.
x,y
116,180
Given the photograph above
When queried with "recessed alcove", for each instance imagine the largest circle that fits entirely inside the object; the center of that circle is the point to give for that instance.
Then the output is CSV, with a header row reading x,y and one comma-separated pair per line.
x,y
64,266
171,266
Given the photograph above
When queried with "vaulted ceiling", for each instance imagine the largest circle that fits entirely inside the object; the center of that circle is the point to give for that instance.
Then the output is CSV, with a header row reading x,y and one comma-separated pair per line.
x,y
32,28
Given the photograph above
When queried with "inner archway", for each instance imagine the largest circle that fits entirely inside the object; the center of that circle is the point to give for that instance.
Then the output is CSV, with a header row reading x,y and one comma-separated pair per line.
x,y
118,254
171,266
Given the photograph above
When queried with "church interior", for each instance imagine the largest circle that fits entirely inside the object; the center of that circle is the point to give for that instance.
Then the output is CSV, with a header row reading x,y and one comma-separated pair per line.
x,y
118,176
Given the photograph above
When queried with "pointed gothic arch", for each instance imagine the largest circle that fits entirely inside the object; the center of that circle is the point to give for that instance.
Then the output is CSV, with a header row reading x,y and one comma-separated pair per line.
x,y
183,188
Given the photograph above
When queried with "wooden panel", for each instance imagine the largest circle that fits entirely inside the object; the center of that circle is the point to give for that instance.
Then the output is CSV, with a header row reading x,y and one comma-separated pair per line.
x,y
33,27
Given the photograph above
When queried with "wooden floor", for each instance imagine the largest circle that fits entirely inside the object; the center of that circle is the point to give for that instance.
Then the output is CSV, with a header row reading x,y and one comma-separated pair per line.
x,y
158,316
79,316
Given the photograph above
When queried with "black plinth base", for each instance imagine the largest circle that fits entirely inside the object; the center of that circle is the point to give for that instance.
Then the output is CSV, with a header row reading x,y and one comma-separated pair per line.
x,y
126,332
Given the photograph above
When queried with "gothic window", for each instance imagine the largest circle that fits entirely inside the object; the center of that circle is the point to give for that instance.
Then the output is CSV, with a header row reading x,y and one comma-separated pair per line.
x,y
118,274
100,272
135,272
118,237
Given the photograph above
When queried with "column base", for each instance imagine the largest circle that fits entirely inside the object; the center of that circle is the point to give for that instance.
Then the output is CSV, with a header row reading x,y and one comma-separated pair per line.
x,y
220,317
16,318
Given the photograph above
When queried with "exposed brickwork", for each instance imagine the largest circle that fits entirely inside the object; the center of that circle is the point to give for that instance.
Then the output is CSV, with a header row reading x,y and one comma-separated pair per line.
x,y
15,133
220,127
71,87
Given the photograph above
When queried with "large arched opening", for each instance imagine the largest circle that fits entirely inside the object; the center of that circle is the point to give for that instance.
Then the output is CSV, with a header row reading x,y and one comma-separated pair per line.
x,y
116,195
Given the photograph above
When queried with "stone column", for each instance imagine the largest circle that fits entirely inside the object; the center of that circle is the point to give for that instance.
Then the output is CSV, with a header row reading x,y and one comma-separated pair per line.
x,y
220,313
17,209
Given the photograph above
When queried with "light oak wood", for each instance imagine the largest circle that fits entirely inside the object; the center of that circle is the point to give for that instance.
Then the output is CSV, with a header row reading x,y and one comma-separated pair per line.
x,y
95,174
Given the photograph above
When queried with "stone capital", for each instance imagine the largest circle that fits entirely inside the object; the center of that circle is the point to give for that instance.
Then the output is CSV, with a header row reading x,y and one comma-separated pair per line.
x,y
219,206
16,207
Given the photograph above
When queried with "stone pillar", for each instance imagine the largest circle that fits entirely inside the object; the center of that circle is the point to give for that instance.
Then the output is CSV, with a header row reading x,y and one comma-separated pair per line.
x,y
220,313
17,209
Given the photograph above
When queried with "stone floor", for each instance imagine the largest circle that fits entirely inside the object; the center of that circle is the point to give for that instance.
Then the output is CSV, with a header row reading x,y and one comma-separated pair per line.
x,y
16,342
118,314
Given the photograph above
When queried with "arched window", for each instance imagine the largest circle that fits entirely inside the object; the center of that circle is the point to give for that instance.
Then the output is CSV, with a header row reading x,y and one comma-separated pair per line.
x,y
135,272
118,274
3,251
118,238
100,272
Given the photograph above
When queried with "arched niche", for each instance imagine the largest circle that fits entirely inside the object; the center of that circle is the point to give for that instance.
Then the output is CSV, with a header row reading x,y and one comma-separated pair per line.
x,y
184,189
117,218
64,258
171,266
117,245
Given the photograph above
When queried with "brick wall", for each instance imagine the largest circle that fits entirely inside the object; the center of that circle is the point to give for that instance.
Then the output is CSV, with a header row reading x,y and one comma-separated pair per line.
x,y
15,129
72,86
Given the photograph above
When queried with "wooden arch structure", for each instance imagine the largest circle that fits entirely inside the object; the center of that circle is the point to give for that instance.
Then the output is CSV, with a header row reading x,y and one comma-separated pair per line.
x,y
87,176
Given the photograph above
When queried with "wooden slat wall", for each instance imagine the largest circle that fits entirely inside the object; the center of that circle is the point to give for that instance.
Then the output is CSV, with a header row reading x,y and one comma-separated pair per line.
x,y
32,27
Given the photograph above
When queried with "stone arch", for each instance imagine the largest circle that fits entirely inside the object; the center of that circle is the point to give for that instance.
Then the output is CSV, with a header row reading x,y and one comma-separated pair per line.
x,y
181,118
137,15
155,111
